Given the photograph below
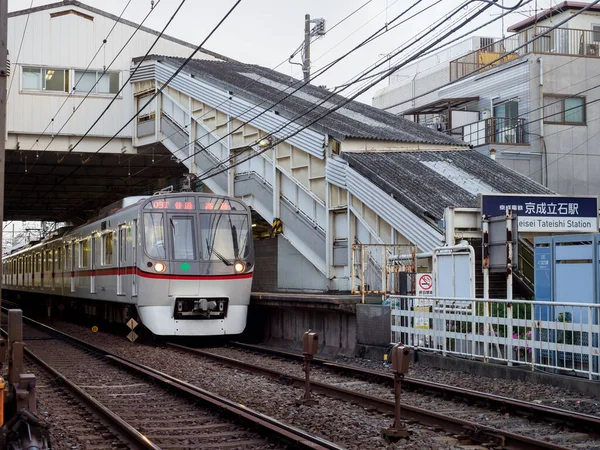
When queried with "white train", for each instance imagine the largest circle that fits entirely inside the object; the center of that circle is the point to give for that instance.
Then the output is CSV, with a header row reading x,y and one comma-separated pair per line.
x,y
181,263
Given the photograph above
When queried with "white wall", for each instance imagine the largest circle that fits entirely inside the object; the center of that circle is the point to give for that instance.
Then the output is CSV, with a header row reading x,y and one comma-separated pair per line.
x,y
70,41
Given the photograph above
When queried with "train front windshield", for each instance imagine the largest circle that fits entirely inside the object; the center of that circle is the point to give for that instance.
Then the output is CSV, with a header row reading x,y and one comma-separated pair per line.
x,y
192,237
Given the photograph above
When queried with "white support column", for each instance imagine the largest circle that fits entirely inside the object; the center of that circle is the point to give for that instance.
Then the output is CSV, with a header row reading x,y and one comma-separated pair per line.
x,y
157,115
351,232
191,137
329,231
276,187
231,171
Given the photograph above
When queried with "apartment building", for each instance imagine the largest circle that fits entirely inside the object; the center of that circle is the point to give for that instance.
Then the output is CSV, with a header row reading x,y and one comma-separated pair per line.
x,y
529,100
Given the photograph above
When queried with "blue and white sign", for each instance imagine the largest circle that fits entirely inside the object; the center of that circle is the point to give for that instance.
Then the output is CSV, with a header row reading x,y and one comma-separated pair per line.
x,y
545,213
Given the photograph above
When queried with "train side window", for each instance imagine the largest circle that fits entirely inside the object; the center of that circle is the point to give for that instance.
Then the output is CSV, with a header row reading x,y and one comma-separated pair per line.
x,y
123,243
57,259
68,263
48,260
107,248
155,235
84,253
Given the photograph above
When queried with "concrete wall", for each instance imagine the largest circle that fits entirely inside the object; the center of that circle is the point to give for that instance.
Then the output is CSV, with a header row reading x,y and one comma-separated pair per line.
x,y
265,270
573,152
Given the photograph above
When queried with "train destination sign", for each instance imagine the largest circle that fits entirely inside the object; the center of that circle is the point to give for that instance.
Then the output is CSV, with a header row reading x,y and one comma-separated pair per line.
x,y
544,213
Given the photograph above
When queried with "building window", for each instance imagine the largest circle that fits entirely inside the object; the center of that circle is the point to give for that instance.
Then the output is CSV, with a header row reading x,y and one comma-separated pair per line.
x,y
596,33
45,79
560,109
96,82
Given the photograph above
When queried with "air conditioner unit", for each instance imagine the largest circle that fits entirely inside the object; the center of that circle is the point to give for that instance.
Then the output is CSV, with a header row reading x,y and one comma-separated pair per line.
x,y
592,49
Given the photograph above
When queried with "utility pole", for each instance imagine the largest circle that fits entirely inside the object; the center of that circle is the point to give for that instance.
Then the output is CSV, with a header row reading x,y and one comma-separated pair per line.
x,y
3,107
318,30
306,57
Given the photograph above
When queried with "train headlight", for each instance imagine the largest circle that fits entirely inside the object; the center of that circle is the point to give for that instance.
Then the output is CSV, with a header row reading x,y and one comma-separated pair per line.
x,y
160,266
239,267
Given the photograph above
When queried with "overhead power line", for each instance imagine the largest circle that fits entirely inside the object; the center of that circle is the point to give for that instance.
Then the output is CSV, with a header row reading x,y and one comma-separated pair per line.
x,y
20,47
104,42
123,87
504,55
370,38
197,49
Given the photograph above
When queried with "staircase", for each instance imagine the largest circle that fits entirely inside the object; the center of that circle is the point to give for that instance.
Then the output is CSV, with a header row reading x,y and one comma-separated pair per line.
x,y
522,278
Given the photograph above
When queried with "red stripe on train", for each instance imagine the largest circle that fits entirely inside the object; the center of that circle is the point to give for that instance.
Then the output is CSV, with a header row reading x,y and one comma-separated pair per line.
x,y
136,271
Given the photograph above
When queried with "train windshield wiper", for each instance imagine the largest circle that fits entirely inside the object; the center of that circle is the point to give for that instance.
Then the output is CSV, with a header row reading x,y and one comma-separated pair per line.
x,y
211,250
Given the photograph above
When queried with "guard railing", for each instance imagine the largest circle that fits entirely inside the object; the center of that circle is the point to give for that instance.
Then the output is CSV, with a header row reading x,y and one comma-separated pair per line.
x,y
555,336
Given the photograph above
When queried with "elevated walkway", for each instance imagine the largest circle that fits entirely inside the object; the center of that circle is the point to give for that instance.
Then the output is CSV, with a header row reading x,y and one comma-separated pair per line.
x,y
360,175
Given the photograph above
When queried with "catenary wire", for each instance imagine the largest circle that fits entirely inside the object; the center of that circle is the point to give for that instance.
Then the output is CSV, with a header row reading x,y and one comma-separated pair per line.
x,y
384,61
396,68
196,50
391,70
207,173
491,63
123,87
89,92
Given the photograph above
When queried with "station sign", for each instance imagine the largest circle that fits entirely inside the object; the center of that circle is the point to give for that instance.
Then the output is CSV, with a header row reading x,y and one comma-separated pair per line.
x,y
545,213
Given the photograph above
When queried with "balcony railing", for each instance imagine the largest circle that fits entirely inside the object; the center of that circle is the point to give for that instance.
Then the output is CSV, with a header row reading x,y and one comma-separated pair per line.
x,y
560,41
495,130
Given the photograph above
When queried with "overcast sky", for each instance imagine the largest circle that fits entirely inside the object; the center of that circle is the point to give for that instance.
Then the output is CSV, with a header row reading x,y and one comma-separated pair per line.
x,y
266,32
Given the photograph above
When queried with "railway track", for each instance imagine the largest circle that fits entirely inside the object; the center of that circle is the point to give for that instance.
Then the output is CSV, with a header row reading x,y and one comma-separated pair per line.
x,y
144,408
484,418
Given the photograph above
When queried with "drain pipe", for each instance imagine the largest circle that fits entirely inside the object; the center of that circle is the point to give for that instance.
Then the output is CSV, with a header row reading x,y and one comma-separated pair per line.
x,y
542,141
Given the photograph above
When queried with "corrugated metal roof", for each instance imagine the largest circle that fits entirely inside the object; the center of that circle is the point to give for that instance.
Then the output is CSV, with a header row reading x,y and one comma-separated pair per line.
x,y
410,178
355,120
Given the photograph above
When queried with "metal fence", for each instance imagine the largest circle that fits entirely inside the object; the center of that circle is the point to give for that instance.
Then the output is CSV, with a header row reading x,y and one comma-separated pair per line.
x,y
544,40
541,335
381,269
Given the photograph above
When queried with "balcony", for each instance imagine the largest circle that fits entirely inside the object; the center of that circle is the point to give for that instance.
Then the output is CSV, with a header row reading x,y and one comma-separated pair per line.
x,y
495,130
560,41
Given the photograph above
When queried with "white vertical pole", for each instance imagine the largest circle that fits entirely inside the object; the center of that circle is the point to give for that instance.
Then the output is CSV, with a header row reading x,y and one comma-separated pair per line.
x,y
486,285
509,277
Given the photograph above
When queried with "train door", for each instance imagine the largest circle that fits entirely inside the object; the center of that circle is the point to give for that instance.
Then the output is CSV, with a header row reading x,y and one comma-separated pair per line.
x,y
134,247
121,257
93,264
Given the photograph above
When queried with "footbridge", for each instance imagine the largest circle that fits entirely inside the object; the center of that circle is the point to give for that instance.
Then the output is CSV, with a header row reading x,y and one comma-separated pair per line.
x,y
358,175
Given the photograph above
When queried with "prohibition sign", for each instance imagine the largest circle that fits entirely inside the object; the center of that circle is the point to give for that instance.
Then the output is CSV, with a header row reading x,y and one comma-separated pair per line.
x,y
425,282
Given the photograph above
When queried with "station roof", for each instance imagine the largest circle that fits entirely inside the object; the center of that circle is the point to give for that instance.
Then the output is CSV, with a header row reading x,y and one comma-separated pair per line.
x,y
73,191
355,120
426,182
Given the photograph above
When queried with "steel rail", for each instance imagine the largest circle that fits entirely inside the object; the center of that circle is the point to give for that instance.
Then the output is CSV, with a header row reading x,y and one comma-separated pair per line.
x,y
575,420
270,426
113,421
475,431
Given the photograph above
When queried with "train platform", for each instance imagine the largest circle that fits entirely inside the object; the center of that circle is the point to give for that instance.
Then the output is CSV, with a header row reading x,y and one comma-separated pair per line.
x,y
341,302
346,326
